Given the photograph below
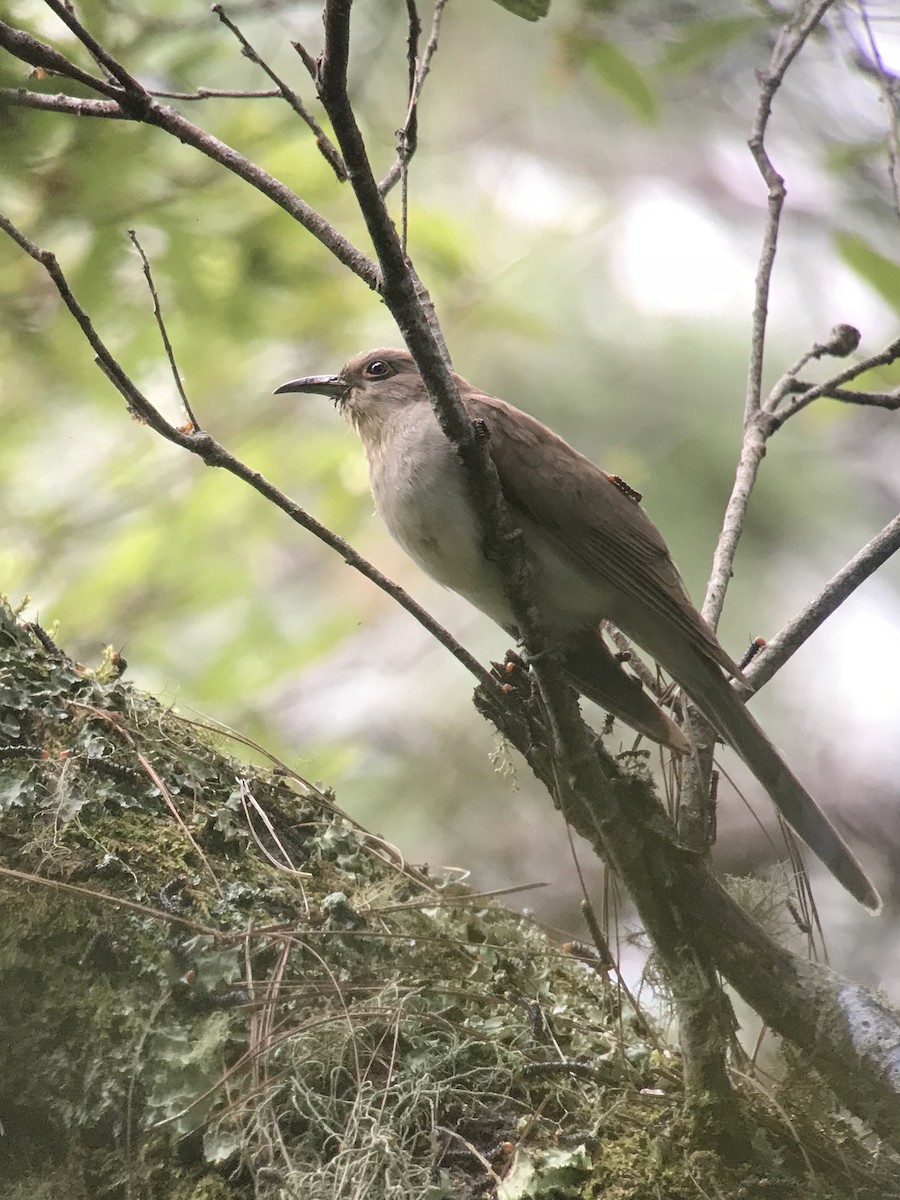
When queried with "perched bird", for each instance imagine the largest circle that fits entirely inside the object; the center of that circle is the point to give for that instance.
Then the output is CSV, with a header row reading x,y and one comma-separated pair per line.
x,y
596,556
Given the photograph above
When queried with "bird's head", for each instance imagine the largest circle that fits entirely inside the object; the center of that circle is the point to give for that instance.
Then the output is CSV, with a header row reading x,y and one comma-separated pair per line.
x,y
369,388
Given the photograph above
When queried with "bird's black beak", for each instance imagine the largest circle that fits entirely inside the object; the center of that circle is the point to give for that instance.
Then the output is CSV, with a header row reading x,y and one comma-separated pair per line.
x,y
318,385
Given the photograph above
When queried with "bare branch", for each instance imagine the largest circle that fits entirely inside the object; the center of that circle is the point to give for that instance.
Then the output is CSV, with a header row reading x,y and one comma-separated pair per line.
x,y
842,341
884,358
888,400
215,455
804,625
171,121
163,333
698,806
70,105
28,49
66,14
323,141
311,64
789,43
203,93
887,84
407,135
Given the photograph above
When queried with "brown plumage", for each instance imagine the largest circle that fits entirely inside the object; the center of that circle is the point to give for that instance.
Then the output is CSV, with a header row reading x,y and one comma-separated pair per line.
x,y
596,555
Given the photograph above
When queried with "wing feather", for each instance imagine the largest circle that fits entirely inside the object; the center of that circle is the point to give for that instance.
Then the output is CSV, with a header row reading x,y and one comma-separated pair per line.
x,y
598,524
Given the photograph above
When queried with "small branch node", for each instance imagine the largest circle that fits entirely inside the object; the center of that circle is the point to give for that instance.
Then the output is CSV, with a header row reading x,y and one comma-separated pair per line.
x,y
842,341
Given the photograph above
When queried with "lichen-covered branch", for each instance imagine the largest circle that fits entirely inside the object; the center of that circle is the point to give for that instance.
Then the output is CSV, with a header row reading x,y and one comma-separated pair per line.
x,y
849,1037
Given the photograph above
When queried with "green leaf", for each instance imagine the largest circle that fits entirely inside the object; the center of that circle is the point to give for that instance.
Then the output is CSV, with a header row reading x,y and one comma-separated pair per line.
x,y
882,274
530,10
621,75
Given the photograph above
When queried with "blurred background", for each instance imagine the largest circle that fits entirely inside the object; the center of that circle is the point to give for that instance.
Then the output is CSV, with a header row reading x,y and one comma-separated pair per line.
x,y
587,216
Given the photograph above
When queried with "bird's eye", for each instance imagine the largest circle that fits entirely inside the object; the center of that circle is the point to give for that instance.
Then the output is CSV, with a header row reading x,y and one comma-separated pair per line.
x,y
377,369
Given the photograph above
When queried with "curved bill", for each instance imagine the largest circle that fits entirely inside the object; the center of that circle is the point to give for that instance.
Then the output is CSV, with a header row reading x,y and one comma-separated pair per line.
x,y
318,385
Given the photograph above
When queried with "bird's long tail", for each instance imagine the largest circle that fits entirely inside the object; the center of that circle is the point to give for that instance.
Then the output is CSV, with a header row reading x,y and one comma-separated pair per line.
x,y
719,702
597,673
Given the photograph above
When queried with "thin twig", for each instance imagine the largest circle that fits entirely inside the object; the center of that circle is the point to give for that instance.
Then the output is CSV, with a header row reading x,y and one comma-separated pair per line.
x,y
887,85
788,45
884,358
72,106
473,1150
204,93
843,340
311,64
785,643
30,50
215,455
888,400
66,14
323,141
407,136
169,119
163,332
142,910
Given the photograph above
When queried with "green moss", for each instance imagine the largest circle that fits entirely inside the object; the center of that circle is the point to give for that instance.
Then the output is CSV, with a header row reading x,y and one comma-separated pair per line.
x,y
214,986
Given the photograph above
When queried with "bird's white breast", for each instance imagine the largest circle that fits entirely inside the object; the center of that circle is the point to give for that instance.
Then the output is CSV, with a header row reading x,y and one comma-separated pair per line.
x,y
421,494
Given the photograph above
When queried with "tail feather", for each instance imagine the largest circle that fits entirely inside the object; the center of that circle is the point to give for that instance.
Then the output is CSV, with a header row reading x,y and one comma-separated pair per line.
x,y
724,708
596,673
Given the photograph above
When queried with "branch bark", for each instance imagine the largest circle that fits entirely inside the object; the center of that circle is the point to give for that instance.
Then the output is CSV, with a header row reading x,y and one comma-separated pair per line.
x,y
850,1038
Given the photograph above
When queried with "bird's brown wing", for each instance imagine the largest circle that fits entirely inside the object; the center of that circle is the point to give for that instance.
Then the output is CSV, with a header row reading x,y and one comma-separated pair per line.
x,y
600,525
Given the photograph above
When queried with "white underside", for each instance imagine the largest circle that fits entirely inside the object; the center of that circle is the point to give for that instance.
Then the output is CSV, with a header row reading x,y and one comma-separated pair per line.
x,y
423,501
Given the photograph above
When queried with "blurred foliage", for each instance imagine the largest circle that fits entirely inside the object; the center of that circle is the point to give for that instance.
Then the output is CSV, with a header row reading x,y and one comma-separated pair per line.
x,y
531,10
587,217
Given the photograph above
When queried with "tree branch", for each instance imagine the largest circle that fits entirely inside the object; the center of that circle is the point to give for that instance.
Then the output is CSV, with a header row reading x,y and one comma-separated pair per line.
x,y
323,141
813,392
215,455
699,1000
171,121
407,136
789,639
30,50
789,43
72,106
848,1036
888,400
163,332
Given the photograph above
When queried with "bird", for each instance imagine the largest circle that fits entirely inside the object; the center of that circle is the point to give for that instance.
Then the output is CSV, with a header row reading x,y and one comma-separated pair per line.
x,y
595,554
